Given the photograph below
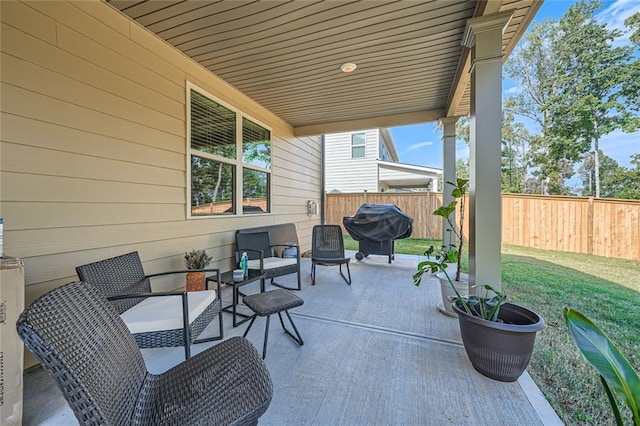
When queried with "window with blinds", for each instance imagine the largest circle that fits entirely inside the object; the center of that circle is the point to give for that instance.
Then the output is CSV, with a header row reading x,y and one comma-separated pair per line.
x,y
256,144
213,127
216,151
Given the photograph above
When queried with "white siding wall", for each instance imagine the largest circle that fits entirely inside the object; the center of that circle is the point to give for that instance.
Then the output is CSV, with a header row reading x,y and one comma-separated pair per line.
x,y
93,147
346,174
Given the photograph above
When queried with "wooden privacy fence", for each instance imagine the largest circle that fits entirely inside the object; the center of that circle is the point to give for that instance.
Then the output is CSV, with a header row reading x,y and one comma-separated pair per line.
x,y
600,226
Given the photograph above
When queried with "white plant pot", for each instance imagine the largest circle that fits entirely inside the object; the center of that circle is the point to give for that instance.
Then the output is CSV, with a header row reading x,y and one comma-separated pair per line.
x,y
461,286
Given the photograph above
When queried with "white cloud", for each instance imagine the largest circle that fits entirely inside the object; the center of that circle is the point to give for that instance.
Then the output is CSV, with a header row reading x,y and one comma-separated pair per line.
x,y
418,145
513,90
615,14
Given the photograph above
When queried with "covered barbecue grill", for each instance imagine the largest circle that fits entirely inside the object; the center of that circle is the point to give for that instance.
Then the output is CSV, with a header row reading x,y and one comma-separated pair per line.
x,y
376,227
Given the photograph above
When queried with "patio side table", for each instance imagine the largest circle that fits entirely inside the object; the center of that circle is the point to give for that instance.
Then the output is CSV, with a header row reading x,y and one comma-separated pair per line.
x,y
227,278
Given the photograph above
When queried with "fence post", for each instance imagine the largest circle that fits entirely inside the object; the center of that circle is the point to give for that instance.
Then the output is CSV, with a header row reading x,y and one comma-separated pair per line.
x,y
590,226
364,197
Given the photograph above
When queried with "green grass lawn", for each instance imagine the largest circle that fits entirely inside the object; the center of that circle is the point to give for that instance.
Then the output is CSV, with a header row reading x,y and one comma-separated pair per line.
x,y
405,246
606,290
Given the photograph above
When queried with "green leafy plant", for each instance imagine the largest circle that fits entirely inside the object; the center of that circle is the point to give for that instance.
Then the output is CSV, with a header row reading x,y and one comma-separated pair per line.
x,y
485,307
196,259
452,253
616,374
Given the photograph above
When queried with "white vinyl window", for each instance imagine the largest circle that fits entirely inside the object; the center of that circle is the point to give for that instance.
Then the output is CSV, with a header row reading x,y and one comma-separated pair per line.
x,y
229,159
358,142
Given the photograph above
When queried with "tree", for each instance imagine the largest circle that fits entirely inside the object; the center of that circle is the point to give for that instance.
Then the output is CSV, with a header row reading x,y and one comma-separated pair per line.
x,y
533,66
633,22
589,99
608,168
462,169
625,183
462,133
631,86
515,144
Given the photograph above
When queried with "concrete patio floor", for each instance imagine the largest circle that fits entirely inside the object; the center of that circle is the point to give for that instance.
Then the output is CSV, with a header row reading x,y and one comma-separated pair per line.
x,y
375,352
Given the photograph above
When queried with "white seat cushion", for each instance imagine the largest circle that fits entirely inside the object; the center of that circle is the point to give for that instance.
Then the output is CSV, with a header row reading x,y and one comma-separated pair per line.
x,y
272,262
165,312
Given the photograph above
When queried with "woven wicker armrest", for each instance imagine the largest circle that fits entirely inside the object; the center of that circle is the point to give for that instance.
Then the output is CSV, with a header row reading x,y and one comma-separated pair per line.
x,y
186,271
145,295
183,271
231,382
239,252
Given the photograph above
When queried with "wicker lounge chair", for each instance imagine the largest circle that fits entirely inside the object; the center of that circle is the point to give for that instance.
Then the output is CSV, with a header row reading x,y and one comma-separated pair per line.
x,y
87,349
155,319
327,249
262,256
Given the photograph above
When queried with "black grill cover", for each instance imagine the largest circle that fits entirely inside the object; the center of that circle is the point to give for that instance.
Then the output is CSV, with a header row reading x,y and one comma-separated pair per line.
x,y
378,223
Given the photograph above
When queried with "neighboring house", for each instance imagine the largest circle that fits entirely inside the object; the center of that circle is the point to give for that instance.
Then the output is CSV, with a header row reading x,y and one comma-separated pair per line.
x,y
368,161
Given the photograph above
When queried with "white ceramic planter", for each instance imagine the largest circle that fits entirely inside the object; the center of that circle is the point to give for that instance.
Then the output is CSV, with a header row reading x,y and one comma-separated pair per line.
x,y
462,287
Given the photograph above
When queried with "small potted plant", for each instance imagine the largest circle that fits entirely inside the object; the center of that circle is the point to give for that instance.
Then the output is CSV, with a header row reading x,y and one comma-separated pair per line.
x,y
196,260
445,261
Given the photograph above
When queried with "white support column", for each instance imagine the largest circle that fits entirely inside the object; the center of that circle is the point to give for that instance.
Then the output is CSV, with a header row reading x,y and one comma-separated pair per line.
x,y
484,36
448,171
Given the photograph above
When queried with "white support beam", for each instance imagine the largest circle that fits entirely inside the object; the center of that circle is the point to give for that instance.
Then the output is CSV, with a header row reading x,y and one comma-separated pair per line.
x,y
484,35
448,172
394,120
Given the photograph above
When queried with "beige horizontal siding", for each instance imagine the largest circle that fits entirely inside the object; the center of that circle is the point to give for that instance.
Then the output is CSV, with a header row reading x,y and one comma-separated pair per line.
x,y
38,215
22,45
42,81
50,162
41,135
26,103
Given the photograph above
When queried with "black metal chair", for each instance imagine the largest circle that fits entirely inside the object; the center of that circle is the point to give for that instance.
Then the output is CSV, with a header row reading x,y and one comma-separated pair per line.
x,y
160,319
262,257
81,341
327,249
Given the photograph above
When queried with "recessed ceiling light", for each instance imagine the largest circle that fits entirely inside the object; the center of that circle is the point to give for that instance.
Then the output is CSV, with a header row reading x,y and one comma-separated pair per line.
x,y
348,67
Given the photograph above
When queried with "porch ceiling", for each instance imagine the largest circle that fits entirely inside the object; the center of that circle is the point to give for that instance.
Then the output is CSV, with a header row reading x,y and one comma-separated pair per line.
x,y
286,55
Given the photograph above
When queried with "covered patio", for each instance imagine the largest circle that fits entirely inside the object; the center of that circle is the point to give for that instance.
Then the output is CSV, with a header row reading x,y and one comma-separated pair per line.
x,y
97,156
375,352
98,116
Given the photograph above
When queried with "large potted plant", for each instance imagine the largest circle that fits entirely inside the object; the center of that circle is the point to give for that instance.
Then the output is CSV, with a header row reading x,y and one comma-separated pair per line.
x,y
497,336
445,261
196,259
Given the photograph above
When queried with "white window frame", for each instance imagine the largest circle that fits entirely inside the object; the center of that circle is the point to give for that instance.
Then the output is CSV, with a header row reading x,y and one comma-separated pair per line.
x,y
364,144
237,162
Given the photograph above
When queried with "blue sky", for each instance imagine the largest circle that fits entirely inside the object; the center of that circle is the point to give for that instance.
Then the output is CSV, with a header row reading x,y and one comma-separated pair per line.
x,y
421,144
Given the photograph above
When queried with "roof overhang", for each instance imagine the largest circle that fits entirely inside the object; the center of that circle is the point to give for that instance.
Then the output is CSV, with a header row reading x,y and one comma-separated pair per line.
x,y
400,175
286,55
